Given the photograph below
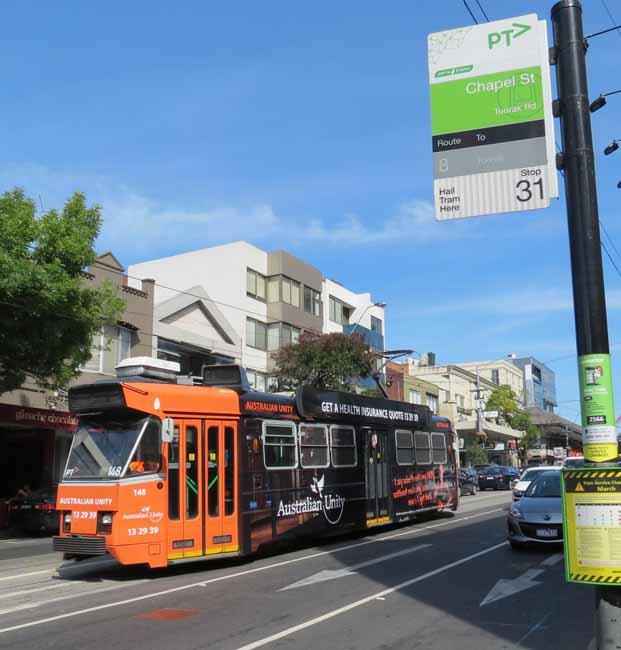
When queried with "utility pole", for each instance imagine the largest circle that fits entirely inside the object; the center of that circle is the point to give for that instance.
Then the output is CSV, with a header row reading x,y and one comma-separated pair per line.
x,y
599,438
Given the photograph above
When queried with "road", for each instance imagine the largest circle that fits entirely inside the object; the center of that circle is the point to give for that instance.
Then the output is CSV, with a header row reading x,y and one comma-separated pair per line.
x,y
445,582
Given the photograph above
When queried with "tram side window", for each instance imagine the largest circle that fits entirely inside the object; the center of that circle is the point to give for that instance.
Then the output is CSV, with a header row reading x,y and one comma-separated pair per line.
x,y
229,470
173,476
343,446
279,446
438,448
147,455
313,445
405,447
213,491
422,448
191,478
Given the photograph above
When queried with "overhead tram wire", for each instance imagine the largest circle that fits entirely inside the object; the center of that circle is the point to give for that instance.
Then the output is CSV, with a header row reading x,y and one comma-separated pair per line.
x,y
470,12
482,10
612,18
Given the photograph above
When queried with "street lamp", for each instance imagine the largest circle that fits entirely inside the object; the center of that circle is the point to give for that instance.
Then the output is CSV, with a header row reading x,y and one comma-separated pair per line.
x,y
611,148
600,102
366,309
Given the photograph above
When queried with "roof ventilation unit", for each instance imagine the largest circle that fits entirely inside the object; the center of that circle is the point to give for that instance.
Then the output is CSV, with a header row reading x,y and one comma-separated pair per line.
x,y
148,368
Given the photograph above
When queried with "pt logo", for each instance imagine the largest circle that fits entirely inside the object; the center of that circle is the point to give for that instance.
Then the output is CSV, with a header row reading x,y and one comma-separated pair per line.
x,y
506,36
331,505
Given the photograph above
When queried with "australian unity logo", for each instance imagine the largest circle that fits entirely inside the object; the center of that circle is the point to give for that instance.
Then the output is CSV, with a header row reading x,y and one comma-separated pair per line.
x,y
332,505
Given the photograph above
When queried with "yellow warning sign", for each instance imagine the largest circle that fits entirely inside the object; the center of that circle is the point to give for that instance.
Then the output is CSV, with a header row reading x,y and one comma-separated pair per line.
x,y
592,525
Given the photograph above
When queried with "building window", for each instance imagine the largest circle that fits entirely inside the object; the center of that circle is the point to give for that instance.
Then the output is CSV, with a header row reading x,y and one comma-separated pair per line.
x,y
258,380
108,348
537,373
405,447
279,448
339,312
312,301
432,402
422,448
280,335
313,445
125,343
460,400
438,448
255,284
280,288
496,376
256,334
343,446
376,325
414,396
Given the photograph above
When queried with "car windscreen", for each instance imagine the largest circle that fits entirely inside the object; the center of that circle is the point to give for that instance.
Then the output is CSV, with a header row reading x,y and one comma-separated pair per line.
x,y
531,474
547,485
102,446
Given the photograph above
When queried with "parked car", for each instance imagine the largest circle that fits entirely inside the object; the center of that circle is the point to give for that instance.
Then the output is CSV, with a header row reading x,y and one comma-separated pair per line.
x,y
468,484
35,514
574,461
538,515
495,478
528,476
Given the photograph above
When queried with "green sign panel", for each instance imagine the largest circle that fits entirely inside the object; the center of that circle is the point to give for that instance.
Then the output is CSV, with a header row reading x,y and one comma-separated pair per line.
x,y
491,118
598,410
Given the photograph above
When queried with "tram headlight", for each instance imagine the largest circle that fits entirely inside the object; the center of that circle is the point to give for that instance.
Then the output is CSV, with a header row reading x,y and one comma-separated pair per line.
x,y
104,523
66,522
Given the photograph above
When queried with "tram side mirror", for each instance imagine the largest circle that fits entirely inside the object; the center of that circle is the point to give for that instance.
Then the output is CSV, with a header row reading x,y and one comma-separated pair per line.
x,y
168,426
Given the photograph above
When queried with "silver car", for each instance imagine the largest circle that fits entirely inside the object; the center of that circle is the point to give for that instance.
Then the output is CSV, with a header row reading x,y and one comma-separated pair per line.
x,y
538,515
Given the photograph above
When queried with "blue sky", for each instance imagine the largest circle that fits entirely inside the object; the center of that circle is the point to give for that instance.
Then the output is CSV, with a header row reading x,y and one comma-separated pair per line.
x,y
304,127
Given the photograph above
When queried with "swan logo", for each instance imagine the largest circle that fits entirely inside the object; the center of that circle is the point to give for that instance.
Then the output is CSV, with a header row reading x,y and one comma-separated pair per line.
x,y
331,505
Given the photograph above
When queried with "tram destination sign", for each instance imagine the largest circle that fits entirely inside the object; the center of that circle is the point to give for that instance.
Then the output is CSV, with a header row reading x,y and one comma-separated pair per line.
x,y
491,118
349,407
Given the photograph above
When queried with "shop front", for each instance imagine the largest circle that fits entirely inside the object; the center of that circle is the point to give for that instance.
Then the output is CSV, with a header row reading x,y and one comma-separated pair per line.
x,y
35,444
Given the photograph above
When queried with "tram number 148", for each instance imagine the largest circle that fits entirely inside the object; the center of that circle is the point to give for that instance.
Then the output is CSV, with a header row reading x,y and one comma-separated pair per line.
x,y
527,187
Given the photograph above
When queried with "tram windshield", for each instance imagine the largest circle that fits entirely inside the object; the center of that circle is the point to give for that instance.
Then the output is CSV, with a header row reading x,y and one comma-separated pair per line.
x,y
107,447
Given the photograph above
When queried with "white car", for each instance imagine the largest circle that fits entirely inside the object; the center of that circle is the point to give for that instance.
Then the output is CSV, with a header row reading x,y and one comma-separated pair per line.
x,y
527,477
574,461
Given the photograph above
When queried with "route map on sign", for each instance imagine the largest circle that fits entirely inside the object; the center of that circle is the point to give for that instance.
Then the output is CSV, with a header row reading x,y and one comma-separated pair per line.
x,y
491,118
592,516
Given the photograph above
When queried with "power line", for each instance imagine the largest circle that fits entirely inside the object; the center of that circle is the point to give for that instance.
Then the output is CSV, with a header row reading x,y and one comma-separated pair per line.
x,y
482,10
609,238
610,258
470,12
612,19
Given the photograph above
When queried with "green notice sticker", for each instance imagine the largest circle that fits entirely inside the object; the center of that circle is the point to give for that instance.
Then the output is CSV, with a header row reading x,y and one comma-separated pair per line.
x,y
597,405
497,99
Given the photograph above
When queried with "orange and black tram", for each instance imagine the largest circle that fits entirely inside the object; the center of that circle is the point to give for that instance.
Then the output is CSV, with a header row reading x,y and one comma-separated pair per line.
x,y
161,472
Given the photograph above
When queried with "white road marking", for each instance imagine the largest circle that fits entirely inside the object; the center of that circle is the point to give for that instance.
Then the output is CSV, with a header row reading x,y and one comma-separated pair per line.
x,y
363,601
505,588
534,628
552,560
332,574
86,564
204,583
25,575
78,594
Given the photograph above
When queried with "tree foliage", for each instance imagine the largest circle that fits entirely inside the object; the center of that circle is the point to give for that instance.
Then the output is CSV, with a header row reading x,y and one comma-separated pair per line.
x,y
476,454
328,361
47,315
505,401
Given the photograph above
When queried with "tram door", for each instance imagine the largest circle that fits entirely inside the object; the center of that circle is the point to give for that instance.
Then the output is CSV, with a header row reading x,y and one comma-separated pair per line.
x,y
185,476
220,487
377,478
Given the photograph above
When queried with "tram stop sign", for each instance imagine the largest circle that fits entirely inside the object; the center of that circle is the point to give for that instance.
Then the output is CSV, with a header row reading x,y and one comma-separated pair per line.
x,y
592,525
491,118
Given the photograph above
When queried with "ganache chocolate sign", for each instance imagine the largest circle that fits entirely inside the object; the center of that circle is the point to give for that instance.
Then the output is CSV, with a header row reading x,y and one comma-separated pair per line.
x,y
335,405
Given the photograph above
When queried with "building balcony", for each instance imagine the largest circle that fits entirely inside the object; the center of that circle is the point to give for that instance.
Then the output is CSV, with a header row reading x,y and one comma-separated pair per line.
x,y
374,339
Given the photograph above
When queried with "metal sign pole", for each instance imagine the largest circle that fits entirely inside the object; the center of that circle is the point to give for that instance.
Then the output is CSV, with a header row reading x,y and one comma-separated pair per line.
x,y
599,441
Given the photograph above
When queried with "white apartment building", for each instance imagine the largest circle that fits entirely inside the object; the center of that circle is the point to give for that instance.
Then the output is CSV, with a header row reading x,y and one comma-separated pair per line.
x,y
237,302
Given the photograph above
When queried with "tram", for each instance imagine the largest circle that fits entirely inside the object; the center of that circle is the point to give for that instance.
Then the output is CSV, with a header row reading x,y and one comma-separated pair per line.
x,y
161,472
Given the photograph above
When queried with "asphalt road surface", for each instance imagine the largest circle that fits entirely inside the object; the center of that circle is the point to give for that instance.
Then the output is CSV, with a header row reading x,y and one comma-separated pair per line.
x,y
449,582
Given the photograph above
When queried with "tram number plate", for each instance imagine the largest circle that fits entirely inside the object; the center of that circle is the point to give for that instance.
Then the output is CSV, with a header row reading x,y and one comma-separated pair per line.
x,y
546,532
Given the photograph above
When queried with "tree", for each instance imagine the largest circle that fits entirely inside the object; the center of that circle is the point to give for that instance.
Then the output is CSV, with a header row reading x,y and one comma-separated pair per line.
x,y
47,315
476,454
504,400
328,361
